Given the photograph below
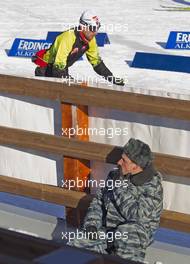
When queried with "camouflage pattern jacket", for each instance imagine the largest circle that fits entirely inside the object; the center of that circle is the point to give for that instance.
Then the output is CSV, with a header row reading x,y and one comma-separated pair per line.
x,y
134,207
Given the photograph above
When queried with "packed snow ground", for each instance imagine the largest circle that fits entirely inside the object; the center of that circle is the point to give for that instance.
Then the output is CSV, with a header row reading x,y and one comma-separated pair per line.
x,y
141,24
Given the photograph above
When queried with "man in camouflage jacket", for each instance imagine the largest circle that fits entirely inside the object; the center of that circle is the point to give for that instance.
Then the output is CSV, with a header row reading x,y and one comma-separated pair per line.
x,y
131,210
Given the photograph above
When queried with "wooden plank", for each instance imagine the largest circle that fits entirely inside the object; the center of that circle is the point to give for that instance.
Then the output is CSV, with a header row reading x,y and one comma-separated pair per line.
x,y
5,259
79,200
169,164
172,165
18,248
175,220
40,191
23,246
105,98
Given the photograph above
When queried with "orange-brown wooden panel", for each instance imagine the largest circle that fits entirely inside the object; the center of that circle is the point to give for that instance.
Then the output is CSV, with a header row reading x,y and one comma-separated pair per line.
x,y
69,163
76,169
83,166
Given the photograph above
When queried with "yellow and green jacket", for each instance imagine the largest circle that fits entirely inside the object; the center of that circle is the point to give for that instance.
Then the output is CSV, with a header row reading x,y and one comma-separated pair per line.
x,y
68,47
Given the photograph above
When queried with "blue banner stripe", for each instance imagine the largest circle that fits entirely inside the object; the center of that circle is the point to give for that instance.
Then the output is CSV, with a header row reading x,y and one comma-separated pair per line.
x,y
173,237
162,62
101,38
33,204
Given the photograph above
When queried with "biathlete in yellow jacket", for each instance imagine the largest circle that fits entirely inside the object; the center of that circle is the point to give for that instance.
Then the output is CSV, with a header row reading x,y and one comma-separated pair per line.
x,y
69,46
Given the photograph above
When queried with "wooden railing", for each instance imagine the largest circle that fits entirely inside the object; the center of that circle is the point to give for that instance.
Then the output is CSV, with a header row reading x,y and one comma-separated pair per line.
x,y
77,200
152,105
169,164
75,94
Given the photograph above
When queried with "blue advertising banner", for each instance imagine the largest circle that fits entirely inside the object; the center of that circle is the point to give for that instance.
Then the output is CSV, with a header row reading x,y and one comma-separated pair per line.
x,y
27,47
101,38
163,62
178,40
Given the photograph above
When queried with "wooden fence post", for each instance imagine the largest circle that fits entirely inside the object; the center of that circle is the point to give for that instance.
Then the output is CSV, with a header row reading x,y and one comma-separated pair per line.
x,y
76,169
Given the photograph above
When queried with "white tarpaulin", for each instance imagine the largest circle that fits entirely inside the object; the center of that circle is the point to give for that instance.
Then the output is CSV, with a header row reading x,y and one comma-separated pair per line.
x,y
33,115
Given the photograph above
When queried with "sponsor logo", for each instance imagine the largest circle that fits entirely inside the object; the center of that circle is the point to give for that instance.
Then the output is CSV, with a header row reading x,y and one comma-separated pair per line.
x,y
27,47
178,40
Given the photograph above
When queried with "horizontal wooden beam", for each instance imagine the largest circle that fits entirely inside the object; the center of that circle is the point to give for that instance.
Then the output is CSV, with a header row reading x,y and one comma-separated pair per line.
x,y
169,164
14,260
172,165
74,199
17,248
106,98
39,191
23,246
176,221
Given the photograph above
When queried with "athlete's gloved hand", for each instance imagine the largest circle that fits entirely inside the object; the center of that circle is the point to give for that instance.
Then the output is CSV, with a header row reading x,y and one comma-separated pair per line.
x,y
91,232
116,80
59,73
102,70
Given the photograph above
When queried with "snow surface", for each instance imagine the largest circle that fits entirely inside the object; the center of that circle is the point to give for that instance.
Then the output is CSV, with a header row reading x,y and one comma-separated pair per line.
x,y
142,26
